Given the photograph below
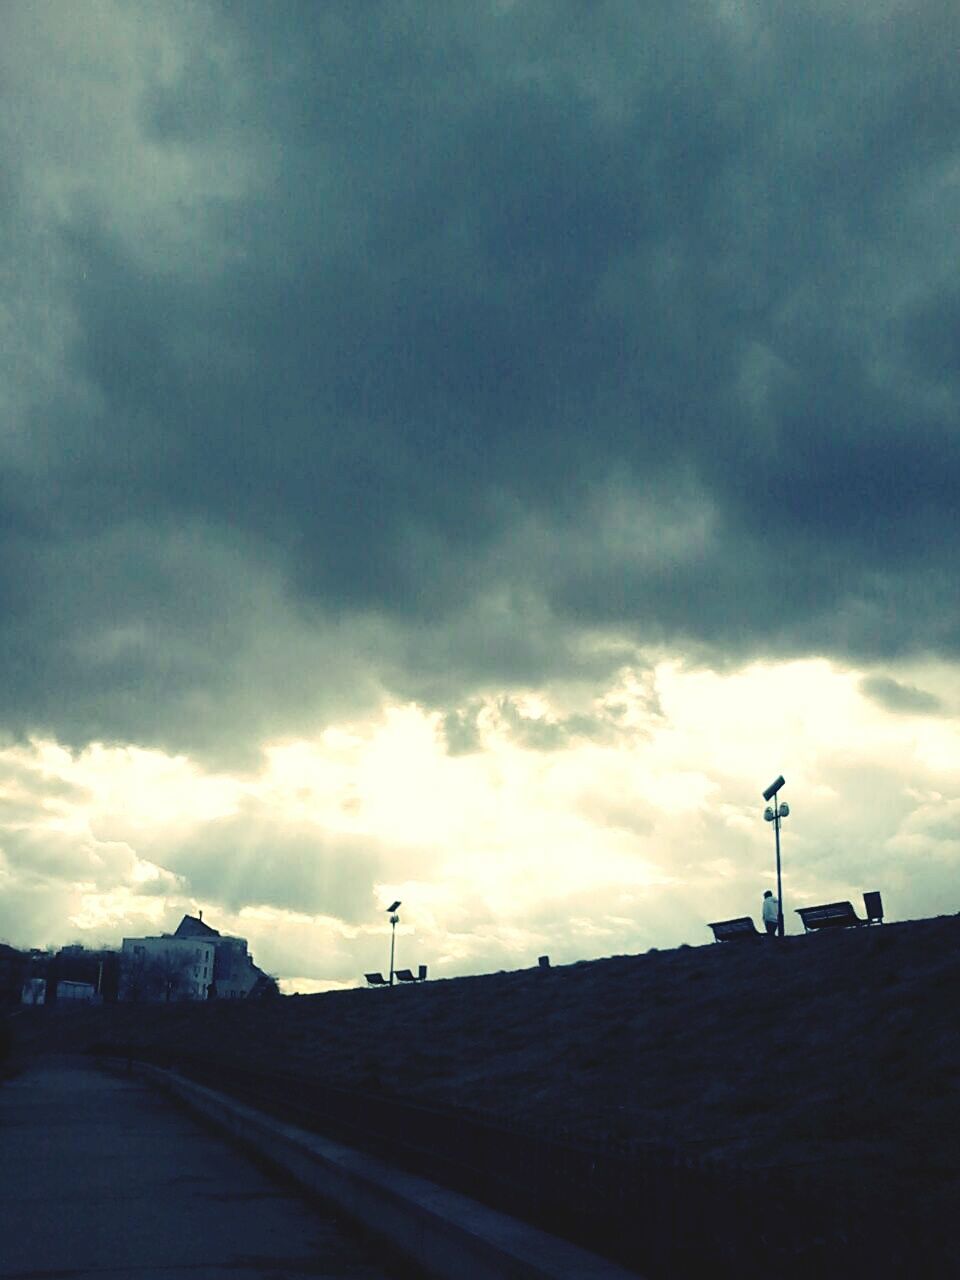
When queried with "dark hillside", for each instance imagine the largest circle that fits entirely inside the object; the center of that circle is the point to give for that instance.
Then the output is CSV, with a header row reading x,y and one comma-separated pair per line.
x,y
834,1053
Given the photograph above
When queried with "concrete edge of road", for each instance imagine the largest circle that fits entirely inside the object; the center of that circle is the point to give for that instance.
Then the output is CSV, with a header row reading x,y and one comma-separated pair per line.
x,y
445,1233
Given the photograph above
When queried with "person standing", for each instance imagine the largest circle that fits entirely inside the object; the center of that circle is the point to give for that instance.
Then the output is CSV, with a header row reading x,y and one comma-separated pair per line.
x,y
771,912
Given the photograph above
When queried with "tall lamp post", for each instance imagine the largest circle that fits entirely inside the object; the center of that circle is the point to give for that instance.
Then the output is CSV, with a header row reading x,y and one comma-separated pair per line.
x,y
773,813
394,921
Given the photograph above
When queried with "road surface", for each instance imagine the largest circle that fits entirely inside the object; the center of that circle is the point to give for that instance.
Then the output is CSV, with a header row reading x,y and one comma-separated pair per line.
x,y
102,1177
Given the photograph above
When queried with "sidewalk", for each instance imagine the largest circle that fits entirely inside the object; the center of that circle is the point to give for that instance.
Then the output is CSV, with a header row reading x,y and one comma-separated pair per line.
x,y
102,1177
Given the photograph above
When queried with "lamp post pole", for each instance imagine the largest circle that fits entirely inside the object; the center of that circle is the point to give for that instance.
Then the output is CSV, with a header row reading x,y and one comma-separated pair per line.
x,y
776,830
774,814
394,921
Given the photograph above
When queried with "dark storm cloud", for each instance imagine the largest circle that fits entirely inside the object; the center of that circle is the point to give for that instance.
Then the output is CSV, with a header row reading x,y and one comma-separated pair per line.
x,y
460,731
475,332
56,856
895,696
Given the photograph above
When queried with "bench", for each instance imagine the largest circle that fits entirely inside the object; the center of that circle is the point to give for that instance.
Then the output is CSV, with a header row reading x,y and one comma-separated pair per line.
x,y
407,975
832,915
734,930
376,980
841,915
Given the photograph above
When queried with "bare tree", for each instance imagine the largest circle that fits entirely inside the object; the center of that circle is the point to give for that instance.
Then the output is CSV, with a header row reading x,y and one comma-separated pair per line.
x,y
134,979
171,973
163,976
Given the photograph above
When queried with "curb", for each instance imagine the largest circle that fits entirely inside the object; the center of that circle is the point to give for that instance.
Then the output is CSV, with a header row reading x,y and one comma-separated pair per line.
x,y
445,1233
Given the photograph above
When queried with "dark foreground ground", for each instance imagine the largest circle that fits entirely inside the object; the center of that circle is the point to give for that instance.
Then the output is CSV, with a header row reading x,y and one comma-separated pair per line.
x,y
837,1054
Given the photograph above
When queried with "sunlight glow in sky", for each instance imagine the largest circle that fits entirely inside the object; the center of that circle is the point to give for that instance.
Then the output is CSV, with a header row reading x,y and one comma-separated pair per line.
x,y
506,853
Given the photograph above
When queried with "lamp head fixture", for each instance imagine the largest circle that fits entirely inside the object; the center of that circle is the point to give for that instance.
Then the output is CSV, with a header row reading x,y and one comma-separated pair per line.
x,y
768,814
773,788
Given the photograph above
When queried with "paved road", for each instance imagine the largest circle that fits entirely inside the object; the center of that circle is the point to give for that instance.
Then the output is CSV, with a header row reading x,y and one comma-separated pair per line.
x,y
102,1177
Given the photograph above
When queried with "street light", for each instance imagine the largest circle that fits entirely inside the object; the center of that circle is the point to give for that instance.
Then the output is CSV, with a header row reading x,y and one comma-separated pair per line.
x,y
773,813
394,921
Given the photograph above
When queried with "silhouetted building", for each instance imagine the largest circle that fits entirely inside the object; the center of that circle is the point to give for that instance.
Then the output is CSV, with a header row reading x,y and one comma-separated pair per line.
x,y
165,969
196,962
235,976
78,966
76,992
34,991
14,966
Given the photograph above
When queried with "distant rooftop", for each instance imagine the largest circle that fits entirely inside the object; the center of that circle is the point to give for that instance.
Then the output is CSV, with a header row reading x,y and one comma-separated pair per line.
x,y
193,927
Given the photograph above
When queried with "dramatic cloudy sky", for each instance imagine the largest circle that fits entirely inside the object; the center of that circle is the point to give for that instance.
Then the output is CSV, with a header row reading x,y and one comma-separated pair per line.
x,y
462,452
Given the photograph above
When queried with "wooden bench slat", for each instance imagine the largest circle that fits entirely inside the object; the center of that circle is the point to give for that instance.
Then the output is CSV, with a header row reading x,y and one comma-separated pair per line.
x,y
829,915
733,930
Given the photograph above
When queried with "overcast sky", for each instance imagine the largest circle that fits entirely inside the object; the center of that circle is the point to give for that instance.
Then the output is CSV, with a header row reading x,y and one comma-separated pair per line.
x,y
463,452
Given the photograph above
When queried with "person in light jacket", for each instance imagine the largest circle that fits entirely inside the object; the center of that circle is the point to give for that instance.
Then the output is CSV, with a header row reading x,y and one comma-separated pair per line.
x,y
771,911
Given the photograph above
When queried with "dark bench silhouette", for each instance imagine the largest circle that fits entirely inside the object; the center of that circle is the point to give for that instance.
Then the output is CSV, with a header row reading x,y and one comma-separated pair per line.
x,y
841,915
376,980
407,975
734,930
832,915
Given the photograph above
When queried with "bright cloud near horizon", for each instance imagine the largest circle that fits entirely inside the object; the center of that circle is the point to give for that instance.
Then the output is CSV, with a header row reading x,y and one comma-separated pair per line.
x,y
463,453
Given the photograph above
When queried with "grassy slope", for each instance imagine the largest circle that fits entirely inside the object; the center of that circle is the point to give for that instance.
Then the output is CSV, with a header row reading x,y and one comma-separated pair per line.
x,y
836,1052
